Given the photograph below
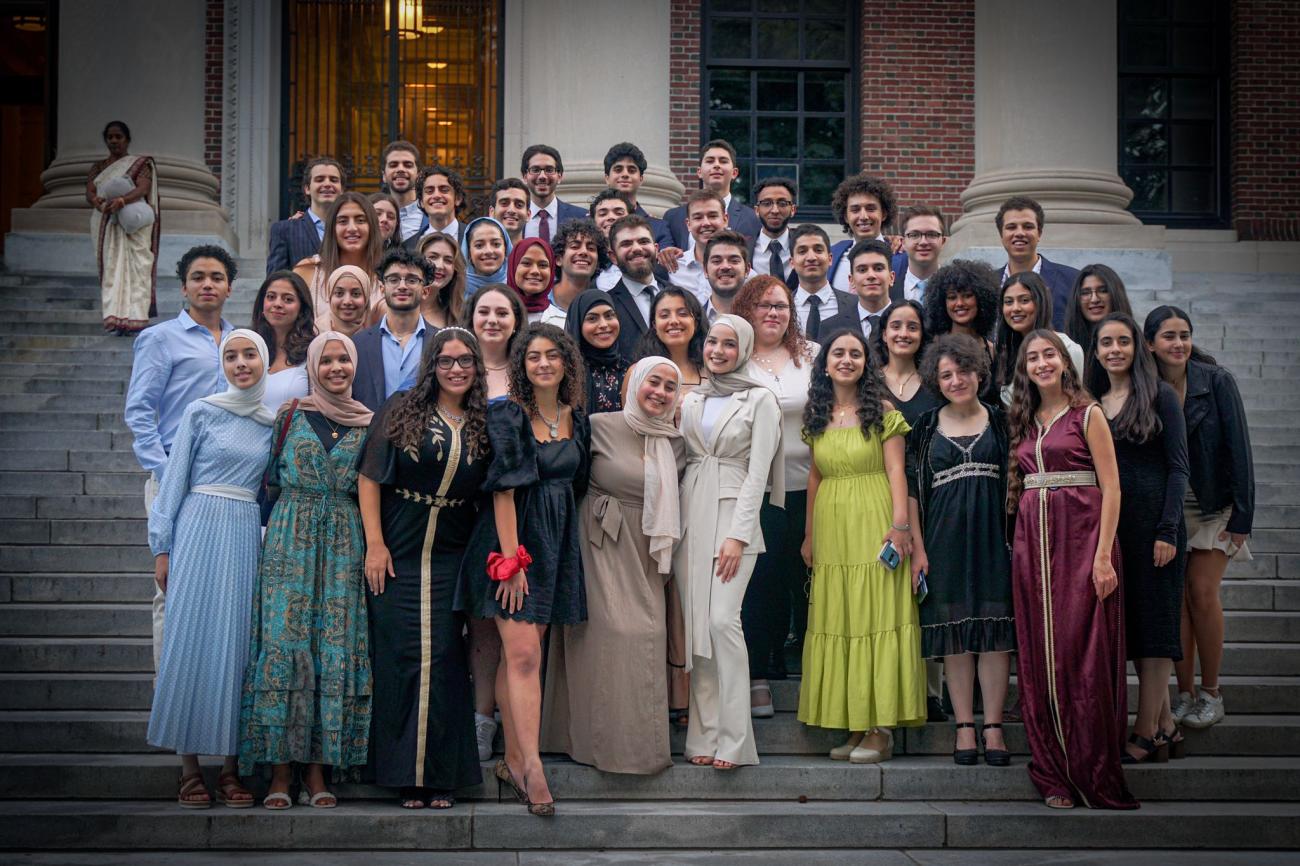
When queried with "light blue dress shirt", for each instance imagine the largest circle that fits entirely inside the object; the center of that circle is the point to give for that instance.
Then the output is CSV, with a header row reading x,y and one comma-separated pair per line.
x,y
318,223
176,363
401,363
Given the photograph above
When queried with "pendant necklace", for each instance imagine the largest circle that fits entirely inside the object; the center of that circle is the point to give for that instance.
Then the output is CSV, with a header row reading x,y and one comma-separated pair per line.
x,y
552,426
334,428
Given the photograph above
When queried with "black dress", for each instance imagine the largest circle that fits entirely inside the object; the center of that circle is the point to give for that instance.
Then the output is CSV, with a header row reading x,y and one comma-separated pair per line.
x,y
548,479
1153,478
422,733
922,401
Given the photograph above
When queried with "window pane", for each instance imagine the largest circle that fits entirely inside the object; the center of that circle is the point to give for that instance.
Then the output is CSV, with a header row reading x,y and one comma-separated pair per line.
x,y
729,90
1193,10
779,137
1146,46
1193,48
1146,97
824,7
1193,192
1193,144
823,137
1146,143
777,169
824,91
729,37
734,130
778,91
1148,189
731,6
1133,10
740,186
778,39
774,6
818,182
1195,98
826,40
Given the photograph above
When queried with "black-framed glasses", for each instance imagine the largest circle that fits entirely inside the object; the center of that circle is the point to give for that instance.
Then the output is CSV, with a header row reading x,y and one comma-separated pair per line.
x,y
548,170
772,308
446,362
929,236
1095,292
775,202
411,282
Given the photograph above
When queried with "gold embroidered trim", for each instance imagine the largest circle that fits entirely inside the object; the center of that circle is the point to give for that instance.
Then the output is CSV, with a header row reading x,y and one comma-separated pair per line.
x,y
436,501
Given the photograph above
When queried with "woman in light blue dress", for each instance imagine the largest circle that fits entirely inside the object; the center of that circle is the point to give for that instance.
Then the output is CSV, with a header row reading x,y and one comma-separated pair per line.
x,y
205,537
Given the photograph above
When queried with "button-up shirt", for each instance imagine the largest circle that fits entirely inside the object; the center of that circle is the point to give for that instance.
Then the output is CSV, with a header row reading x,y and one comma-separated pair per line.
x,y
412,218
317,222
690,275
534,222
643,301
763,257
841,280
865,316
176,363
914,287
1037,268
401,362
608,278
803,308
452,230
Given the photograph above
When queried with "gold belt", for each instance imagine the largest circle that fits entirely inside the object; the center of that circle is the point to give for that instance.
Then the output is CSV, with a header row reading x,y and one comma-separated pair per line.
x,y
1036,480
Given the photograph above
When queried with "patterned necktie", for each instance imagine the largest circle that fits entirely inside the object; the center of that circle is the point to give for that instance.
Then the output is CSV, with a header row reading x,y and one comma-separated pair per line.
x,y
544,225
814,317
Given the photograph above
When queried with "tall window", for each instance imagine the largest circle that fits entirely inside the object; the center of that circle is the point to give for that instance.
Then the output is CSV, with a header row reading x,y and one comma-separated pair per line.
x,y
1173,110
779,85
360,73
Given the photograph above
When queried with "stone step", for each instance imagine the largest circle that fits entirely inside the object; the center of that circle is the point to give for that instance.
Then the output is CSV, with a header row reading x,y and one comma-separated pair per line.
x,y
10,302
17,441
51,420
71,370
82,588
1275,541
74,346
108,558
53,384
78,460
58,325
1280,435
136,825
1260,595
675,856
105,507
80,620
101,655
76,531
56,402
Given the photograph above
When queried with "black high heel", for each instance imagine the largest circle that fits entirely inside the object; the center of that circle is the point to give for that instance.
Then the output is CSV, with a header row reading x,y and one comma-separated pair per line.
x,y
994,757
1177,744
965,757
1155,751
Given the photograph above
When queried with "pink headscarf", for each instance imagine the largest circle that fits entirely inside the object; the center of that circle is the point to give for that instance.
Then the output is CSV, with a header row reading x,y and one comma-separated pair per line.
x,y
339,408
540,301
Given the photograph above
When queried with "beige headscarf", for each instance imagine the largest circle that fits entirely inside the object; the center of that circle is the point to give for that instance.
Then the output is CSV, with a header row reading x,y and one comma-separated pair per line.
x,y
324,315
245,402
661,514
339,408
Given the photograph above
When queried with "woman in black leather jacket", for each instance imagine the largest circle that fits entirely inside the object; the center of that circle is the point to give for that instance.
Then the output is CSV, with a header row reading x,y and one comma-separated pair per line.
x,y
1220,502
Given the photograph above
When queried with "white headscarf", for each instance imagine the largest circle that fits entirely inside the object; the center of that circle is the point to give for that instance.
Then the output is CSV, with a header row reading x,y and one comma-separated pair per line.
x,y
661,514
245,402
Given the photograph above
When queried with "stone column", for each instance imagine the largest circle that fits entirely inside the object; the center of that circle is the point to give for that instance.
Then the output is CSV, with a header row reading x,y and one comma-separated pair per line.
x,y
1046,91
141,62
584,74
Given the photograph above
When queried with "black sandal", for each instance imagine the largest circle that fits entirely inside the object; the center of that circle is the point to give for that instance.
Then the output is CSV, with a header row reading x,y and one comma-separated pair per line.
x,y
446,797
965,757
1177,743
994,757
411,798
1155,751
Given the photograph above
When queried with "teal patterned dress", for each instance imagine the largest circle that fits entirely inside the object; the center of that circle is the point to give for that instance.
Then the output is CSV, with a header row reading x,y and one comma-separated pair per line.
x,y
307,689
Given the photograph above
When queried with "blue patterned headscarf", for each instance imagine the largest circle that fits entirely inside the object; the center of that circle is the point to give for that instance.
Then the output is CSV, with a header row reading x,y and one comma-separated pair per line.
x,y
473,279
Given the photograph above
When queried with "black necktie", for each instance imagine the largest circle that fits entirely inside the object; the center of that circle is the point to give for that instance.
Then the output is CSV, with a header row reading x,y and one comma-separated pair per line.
x,y
814,317
774,266
873,322
649,294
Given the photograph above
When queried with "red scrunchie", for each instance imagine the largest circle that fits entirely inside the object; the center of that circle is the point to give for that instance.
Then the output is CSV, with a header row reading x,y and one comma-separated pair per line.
x,y
501,568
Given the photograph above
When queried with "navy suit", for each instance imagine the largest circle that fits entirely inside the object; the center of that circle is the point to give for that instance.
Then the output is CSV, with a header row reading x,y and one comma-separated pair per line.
x,y
740,218
565,212
412,244
1060,281
631,324
291,242
656,224
846,316
368,384
898,264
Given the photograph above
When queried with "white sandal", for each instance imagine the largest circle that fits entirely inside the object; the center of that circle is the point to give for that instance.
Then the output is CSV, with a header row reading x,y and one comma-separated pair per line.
x,y
762,711
277,801
316,800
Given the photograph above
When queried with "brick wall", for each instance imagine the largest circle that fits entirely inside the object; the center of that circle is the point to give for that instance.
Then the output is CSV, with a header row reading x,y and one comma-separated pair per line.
x,y
1265,82
684,137
213,84
918,100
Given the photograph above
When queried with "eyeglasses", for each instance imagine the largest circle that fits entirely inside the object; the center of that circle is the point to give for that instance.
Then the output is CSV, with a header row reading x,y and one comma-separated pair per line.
x,y
775,202
548,170
772,308
929,236
1098,292
393,281
446,362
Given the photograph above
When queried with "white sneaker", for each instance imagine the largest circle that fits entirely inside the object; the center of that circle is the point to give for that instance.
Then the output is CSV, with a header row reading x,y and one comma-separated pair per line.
x,y
485,728
1182,707
1207,712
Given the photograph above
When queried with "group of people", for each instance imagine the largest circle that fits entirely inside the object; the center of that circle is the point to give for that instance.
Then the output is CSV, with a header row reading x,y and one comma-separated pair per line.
x,y
587,471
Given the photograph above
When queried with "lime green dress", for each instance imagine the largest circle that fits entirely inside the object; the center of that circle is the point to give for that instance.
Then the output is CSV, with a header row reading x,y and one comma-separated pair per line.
x,y
862,664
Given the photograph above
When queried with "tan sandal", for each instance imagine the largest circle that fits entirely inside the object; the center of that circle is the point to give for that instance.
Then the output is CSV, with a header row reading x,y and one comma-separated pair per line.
x,y
701,761
190,787
228,785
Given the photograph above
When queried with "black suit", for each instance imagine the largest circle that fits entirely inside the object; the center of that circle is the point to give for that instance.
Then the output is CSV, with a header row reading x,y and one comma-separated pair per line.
x,y
845,316
368,384
740,218
631,324
291,242
412,244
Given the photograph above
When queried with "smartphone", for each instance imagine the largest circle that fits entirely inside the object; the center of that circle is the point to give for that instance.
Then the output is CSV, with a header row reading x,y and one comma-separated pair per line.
x,y
889,555
922,590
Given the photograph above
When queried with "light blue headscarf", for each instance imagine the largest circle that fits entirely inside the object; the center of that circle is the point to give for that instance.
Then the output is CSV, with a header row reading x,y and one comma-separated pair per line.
x,y
473,279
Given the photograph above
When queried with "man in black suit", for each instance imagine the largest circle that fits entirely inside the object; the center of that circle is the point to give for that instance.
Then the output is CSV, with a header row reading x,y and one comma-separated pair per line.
x,y
388,354
871,275
815,302
775,201
543,170
299,237
1020,224
625,167
633,246
442,195
608,207
716,172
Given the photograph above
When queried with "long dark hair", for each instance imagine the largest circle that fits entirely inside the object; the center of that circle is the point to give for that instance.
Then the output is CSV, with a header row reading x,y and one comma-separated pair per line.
x,y
512,299
650,344
1138,421
1077,327
878,344
329,245
303,330
573,388
394,238
1007,344
961,276
1162,314
413,410
821,393
1026,400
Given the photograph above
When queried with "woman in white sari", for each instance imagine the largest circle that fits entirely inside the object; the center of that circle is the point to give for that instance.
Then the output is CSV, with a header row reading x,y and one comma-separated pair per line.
x,y
125,226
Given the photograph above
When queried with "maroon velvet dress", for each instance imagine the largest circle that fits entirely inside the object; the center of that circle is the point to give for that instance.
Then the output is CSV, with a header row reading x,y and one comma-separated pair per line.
x,y
1071,646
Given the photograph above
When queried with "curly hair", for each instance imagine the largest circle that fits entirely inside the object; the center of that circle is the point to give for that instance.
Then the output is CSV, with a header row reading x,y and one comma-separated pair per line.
x,y
1138,421
745,305
1077,327
962,276
573,391
862,184
512,300
413,410
650,344
303,330
1026,400
821,393
1006,345
207,251
581,228
965,351
451,297
878,344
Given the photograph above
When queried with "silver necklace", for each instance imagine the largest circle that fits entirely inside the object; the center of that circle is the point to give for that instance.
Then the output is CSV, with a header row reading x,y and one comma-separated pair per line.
x,y
552,426
453,418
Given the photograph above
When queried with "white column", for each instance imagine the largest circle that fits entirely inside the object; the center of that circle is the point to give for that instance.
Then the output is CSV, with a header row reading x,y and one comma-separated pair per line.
x,y
581,75
250,143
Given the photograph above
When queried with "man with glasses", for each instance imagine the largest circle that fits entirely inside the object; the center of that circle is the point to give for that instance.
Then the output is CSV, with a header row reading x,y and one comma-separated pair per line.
x,y
923,239
542,171
388,354
776,201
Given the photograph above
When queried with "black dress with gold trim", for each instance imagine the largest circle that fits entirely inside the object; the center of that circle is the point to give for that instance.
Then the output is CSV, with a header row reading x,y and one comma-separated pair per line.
x,y
422,732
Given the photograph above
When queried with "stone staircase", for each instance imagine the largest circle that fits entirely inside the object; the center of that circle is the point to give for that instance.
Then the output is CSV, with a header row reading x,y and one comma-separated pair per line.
x,y
75,670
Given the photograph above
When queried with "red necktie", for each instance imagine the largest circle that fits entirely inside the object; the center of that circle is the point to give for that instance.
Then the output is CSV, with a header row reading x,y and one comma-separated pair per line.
x,y
544,225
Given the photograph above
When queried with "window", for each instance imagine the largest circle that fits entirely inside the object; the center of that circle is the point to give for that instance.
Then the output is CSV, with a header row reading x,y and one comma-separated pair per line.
x,y
1173,112
779,85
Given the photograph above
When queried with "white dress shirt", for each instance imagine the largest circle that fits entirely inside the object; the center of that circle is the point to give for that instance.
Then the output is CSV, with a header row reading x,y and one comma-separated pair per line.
x,y
803,308
1037,268
841,280
643,301
913,289
762,257
865,315
411,217
690,275
534,222
452,230
608,278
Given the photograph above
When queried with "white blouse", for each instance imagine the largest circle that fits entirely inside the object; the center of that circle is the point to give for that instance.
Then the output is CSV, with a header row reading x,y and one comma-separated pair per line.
x,y
791,386
286,385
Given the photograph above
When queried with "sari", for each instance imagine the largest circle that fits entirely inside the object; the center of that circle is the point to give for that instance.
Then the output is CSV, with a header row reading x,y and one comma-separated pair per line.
x,y
128,263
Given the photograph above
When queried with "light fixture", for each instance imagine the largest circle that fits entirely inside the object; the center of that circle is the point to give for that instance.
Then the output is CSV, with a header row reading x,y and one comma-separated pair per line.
x,y
432,109
437,64
29,23
409,16
433,29
446,123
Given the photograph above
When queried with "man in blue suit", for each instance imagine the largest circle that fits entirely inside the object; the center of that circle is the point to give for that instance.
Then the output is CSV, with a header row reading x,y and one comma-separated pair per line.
x,y
716,172
299,237
388,354
863,205
1020,225
542,170
625,167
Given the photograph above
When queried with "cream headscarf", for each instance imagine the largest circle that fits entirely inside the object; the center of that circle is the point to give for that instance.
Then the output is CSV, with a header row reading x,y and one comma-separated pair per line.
x,y
661,514
325,315
339,408
245,402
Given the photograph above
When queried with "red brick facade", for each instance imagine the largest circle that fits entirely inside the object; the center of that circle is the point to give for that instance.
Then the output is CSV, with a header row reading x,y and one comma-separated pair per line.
x,y
213,83
1265,119
684,138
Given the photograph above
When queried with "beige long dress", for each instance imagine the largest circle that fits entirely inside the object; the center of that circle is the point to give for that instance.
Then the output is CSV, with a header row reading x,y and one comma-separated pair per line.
x,y
606,701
